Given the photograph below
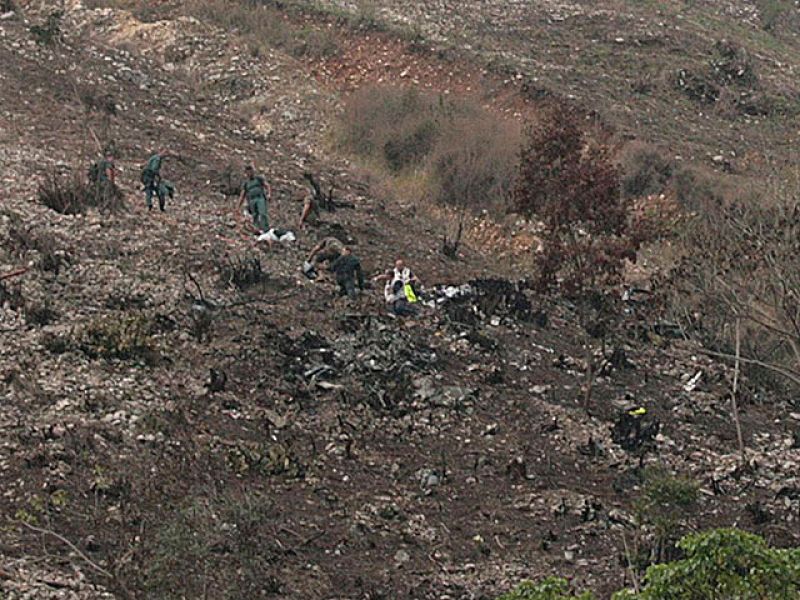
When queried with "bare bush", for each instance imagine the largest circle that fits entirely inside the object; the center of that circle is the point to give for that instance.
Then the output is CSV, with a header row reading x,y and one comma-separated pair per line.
x,y
240,272
743,264
129,339
398,126
696,191
23,240
70,194
644,170
48,33
261,24
461,155
11,294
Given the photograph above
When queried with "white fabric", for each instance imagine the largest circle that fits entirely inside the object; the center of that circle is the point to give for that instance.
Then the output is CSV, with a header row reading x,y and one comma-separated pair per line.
x,y
271,236
404,275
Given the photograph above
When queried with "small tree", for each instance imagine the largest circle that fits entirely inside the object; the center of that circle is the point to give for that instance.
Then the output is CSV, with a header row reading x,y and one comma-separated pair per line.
x,y
723,563
573,188
662,508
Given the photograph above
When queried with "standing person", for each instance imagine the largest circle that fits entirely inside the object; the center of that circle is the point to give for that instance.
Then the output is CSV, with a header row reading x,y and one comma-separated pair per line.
x,y
258,193
347,269
151,179
311,203
103,171
102,180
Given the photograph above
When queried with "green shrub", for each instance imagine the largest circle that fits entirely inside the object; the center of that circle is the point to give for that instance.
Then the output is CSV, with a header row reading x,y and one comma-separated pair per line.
x,y
723,564
552,588
662,506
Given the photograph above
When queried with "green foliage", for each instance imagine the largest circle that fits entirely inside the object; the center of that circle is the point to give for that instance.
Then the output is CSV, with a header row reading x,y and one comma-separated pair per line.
x,y
663,505
723,564
551,588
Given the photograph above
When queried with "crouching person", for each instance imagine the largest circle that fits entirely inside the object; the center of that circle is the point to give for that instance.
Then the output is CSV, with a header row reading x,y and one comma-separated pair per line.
x,y
348,272
400,298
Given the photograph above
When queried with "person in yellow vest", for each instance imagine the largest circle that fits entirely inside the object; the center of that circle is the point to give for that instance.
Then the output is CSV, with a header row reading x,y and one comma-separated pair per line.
x,y
401,289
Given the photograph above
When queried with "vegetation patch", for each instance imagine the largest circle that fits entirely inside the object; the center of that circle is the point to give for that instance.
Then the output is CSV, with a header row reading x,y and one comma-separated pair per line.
x,y
71,194
721,563
127,338
463,155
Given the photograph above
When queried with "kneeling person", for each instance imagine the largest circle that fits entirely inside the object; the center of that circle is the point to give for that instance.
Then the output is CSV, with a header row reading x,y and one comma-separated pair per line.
x,y
328,250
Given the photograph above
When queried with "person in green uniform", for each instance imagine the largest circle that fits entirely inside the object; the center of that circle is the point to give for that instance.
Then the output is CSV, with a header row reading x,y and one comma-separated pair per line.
x,y
257,192
151,179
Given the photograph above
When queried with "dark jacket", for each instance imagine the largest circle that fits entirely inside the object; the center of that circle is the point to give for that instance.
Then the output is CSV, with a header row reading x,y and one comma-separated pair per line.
x,y
345,267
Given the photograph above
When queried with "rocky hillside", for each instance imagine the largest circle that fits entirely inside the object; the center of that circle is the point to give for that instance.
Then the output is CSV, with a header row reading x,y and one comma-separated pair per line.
x,y
184,415
709,83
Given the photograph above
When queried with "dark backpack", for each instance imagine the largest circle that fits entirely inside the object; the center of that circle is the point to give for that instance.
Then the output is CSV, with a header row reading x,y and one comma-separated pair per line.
x,y
94,172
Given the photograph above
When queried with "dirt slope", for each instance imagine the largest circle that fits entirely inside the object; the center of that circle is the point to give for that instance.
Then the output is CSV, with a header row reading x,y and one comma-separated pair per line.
x,y
347,454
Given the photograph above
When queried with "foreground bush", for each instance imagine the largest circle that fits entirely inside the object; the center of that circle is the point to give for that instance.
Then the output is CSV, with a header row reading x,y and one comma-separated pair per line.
x,y
721,564
552,588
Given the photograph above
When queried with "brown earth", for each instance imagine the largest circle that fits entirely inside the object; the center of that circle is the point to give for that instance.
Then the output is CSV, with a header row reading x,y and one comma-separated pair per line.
x,y
348,454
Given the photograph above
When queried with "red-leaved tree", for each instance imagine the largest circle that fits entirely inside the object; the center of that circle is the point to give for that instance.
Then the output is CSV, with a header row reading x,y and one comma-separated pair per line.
x,y
573,188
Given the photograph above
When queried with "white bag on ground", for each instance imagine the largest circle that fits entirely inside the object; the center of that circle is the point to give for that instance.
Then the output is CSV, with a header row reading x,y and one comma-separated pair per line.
x,y
277,235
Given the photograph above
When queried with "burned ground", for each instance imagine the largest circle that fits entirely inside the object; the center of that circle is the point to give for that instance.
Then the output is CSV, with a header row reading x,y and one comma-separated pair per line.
x,y
197,426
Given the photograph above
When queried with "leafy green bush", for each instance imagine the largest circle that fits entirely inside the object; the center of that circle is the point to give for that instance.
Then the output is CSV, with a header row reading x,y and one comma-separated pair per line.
x,y
723,564
552,588
662,506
